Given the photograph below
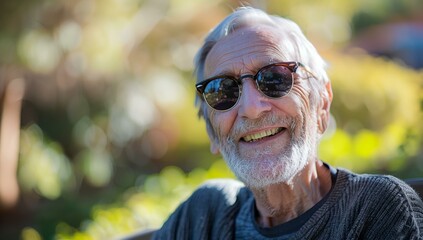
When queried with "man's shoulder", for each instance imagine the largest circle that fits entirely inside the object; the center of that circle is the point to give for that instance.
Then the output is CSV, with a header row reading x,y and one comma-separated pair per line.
x,y
209,211
224,192
396,206
376,185
376,181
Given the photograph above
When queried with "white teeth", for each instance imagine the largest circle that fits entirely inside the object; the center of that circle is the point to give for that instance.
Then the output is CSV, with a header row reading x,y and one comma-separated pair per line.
x,y
260,135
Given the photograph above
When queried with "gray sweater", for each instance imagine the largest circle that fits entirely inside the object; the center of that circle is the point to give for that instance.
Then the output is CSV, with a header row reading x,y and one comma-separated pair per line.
x,y
359,206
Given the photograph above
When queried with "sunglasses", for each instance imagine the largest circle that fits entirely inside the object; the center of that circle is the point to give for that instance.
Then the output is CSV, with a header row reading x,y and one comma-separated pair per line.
x,y
274,81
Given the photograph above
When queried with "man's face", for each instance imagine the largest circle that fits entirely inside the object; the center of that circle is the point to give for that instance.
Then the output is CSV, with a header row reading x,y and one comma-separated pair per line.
x,y
263,140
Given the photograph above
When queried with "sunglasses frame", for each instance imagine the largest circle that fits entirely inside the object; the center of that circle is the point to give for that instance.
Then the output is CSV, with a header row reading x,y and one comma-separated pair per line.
x,y
292,66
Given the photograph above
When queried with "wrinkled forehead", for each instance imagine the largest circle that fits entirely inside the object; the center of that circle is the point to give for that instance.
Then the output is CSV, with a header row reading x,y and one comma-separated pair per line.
x,y
247,49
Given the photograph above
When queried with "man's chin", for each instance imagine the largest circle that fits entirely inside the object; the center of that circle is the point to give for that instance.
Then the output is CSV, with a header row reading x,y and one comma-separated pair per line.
x,y
263,178
260,183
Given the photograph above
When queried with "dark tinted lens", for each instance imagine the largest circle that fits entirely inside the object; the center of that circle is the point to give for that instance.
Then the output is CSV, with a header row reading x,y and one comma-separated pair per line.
x,y
275,81
221,93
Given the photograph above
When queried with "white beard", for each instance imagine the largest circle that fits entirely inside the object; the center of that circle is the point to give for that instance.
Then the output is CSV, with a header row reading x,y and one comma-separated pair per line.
x,y
260,170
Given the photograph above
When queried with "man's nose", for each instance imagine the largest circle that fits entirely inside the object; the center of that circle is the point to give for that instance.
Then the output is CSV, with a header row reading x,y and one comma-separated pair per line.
x,y
252,103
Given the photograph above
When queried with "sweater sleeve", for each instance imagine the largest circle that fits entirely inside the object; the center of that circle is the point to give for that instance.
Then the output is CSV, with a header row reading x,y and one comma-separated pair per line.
x,y
207,214
397,211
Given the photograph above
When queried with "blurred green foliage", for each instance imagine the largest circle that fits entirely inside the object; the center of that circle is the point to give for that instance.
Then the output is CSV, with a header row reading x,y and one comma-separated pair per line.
x,y
110,142
43,167
378,114
145,207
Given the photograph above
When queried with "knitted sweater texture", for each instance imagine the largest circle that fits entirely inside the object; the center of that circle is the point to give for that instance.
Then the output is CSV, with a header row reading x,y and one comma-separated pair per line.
x,y
360,206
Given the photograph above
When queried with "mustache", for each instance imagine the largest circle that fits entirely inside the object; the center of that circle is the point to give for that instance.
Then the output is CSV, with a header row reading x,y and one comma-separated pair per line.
x,y
268,119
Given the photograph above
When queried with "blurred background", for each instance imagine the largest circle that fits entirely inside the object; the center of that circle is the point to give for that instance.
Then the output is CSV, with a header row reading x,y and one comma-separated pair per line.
x,y
99,136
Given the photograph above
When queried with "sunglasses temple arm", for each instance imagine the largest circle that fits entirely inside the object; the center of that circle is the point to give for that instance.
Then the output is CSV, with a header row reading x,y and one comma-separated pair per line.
x,y
307,69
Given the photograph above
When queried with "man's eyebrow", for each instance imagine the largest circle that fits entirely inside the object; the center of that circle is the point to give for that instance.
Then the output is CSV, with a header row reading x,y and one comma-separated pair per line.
x,y
222,73
226,72
253,67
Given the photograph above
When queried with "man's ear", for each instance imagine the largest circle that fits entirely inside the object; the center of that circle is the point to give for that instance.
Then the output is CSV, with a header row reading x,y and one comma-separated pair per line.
x,y
214,144
324,108
214,147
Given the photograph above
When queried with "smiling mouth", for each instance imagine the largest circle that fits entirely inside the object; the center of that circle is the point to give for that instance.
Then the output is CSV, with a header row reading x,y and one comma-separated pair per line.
x,y
263,134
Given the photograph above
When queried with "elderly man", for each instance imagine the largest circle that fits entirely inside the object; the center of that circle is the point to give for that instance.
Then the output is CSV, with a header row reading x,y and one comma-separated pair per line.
x,y
265,97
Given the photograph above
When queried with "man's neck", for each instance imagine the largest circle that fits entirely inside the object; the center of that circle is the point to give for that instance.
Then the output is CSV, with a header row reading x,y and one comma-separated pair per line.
x,y
279,203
